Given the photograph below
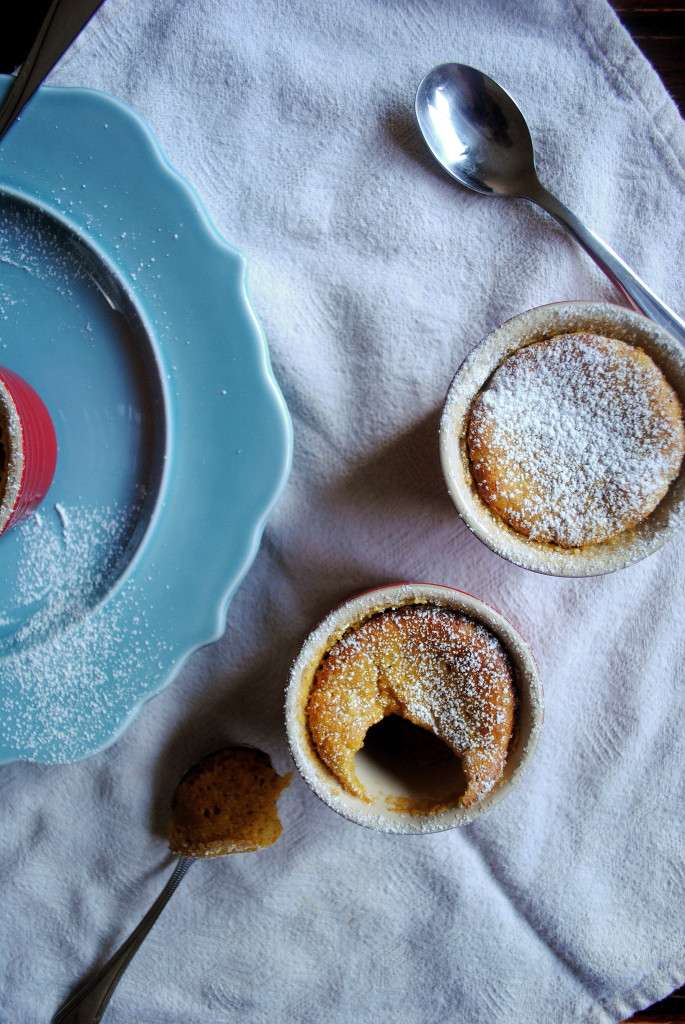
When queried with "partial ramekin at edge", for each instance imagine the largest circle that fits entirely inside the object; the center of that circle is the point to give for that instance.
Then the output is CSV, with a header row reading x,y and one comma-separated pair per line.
x,y
28,452
378,814
537,325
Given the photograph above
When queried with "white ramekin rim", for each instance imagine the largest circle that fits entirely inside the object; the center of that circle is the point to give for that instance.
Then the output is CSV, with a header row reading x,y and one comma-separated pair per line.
x,y
13,444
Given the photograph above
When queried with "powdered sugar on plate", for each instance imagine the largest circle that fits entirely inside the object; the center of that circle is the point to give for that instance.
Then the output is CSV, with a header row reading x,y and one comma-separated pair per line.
x,y
61,669
67,559
143,366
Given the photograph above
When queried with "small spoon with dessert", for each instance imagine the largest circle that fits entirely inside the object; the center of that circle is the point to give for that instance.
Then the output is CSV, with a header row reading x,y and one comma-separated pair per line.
x,y
478,134
226,803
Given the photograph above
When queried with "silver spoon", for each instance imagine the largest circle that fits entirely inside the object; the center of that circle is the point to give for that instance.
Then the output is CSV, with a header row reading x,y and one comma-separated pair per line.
x,y
225,804
479,135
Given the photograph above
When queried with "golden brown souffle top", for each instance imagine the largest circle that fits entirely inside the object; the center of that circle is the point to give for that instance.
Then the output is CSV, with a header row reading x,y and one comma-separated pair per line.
x,y
575,439
428,664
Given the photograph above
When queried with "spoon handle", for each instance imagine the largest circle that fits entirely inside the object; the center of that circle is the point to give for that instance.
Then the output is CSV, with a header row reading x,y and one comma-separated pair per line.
x,y
637,292
89,1003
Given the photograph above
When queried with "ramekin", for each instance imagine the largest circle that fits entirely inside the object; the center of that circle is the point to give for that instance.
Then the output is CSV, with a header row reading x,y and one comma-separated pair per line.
x,y
379,814
29,449
537,325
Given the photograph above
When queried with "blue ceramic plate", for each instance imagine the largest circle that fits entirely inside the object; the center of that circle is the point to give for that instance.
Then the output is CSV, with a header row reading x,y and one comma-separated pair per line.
x,y
127,312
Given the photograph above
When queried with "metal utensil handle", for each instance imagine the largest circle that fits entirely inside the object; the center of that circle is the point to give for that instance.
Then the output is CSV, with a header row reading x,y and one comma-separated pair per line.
x,y
62,23
89,1003
641,297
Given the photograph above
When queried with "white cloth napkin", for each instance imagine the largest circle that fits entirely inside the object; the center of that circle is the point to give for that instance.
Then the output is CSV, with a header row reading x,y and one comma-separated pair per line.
x,y
373,275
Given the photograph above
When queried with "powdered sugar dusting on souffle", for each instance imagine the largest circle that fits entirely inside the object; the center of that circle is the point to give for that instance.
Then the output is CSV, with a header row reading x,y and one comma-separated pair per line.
x,y
575,439
430,665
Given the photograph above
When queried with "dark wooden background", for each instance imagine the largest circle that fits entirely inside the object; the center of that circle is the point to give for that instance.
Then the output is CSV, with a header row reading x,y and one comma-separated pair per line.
x,y
659,31
658,28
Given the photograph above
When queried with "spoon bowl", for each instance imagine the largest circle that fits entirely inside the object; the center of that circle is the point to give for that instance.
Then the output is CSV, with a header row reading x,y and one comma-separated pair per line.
x,y
475,130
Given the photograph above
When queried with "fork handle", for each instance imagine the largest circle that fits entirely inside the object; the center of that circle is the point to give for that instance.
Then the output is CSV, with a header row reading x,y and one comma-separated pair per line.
x,y
88,1003
636,291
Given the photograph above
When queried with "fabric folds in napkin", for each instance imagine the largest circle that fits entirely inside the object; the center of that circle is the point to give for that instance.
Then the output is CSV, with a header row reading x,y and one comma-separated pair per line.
x,y
373,275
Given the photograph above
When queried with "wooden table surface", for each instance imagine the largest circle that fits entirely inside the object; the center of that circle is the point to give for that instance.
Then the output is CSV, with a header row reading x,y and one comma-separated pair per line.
x,y
658,28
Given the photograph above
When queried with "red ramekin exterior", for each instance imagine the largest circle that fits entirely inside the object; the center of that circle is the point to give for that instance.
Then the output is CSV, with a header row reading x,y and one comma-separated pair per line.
x,y
40,446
